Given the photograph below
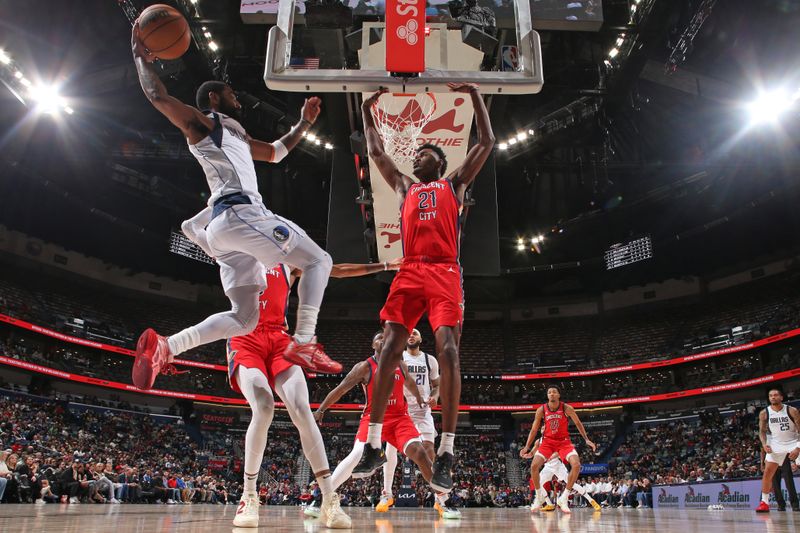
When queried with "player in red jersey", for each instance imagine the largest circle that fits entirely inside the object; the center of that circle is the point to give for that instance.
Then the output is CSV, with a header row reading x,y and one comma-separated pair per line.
x,y
430,276
398,429
555,414
256,366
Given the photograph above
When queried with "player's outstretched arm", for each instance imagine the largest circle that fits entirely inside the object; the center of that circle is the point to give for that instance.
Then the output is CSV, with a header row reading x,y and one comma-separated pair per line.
x,y
537,423
465,174
275,152
570,412
794,414
354,270
358,374
396,179
194,125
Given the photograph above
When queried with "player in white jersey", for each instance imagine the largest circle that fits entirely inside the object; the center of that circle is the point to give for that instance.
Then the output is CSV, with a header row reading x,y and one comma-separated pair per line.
x,y
424,370
782,421
241,233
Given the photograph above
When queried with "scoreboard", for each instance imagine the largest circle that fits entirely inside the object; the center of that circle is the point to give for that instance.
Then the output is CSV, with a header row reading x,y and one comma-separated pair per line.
x,y
620,255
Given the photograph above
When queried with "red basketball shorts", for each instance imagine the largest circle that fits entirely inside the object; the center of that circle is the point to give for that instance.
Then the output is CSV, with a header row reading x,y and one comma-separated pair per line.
x,y
263,349
397,431
420,287
549,446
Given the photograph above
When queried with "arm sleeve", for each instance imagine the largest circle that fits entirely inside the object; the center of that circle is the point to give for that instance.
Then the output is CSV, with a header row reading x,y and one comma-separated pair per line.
x,y
195,229
279,152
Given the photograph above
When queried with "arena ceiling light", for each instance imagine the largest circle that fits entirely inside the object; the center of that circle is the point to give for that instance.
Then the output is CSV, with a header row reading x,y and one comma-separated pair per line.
x,y
4,57
48,100
769,106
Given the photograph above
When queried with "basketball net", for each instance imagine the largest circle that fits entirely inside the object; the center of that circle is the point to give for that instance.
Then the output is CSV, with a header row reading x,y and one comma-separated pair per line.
x,y
400,120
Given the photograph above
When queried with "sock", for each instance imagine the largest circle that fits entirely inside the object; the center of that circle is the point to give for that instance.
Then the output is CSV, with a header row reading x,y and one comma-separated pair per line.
x,y
446,444
541,494
250,482
325,484
547,500
374,434
306,323
765,497
185,340
441,499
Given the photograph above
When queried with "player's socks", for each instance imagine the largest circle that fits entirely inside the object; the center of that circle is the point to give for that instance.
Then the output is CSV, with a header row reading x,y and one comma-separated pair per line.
x,y
325,484
446,443
765,497
374,432
306,323
250,482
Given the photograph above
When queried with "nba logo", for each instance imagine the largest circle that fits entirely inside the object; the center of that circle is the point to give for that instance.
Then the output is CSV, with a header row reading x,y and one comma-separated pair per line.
x,y
510,57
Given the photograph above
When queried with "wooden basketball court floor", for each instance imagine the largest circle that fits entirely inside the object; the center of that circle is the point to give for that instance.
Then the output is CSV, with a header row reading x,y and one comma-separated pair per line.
x,y
62,518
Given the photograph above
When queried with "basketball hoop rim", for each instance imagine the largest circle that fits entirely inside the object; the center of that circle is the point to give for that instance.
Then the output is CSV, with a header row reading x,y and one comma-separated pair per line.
x,y
432,96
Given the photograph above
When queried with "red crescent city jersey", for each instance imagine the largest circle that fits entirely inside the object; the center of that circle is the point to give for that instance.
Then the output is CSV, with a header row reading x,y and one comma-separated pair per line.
x,y
556,423
429,220
274,301
397,401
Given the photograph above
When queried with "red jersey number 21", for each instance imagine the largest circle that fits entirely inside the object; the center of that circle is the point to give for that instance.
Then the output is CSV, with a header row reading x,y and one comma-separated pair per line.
x,y
424,198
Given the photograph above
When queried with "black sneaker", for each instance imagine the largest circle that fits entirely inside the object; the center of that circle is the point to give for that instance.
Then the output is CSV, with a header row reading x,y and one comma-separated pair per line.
x,y
781,508
371,460
442,479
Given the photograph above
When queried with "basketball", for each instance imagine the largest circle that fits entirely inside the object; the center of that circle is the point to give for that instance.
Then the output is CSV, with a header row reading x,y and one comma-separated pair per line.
x,y
164,31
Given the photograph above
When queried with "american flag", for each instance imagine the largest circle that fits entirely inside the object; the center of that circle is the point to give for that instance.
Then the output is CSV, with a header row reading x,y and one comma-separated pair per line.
x,y
304,62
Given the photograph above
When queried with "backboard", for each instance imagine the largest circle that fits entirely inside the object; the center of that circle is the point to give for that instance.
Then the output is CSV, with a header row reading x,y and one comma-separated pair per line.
x,y
286,70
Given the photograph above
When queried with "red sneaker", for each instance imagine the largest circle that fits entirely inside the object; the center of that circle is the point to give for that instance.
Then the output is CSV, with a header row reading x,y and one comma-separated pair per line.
x,y
152,354
311,356
763,507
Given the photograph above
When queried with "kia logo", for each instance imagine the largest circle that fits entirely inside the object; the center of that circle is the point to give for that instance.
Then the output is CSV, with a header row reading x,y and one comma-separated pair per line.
x,y
408,32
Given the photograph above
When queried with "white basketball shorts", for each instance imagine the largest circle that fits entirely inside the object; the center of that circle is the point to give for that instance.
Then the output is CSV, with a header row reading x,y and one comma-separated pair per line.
x,y
245,237
423,420
550,470
780,450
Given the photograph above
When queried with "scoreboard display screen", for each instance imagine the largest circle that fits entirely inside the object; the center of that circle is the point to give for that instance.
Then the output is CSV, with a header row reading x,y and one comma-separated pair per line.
x,y
620,255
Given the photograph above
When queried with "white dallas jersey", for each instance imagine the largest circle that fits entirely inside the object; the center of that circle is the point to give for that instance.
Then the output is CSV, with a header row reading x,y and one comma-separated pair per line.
x,y
226,159
422,369
781,426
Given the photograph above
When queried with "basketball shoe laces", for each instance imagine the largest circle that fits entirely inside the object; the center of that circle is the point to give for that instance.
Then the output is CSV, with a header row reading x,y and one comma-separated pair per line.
x,y
171,370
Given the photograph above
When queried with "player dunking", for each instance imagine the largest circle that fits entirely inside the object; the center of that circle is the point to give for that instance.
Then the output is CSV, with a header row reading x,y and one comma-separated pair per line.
x,y
423,369
783,422
242,233
555,414
398,430
430,277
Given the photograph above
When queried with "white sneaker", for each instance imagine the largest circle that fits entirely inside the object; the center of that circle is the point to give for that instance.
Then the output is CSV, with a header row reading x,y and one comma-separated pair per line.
x,y
311,510
331,513
113,500
39,501
536,506
563,502
170,501
247,512
74,500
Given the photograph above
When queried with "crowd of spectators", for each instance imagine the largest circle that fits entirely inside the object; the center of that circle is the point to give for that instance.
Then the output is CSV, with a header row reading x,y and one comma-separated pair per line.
x,y
54,453
724,318
710,447
60,355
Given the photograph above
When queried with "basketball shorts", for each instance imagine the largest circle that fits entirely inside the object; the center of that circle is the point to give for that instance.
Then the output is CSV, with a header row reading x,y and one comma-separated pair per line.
x,y
435,288
553,468
244,237
780,450
550,446
399,431
263,349
423,420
